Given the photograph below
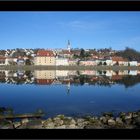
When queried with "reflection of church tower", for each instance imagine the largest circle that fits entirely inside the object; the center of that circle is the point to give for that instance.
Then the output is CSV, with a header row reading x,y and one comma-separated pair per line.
x,y
68,46
68,87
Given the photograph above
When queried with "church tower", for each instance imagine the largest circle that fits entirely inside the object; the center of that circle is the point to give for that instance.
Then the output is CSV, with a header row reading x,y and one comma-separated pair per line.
x,y
68,46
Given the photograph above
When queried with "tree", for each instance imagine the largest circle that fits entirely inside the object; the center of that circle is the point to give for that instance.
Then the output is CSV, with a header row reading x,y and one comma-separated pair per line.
x,y
105,63
82,53
28,62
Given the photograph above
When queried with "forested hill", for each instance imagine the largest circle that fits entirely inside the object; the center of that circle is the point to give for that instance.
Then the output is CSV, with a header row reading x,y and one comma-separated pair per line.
x,y
130,54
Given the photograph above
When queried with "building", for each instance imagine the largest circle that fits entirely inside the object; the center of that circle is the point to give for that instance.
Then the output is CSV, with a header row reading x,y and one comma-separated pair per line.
x,y
107,62
116,60
73,62
133,63
45,57
62,62
88,63
11,61
2,60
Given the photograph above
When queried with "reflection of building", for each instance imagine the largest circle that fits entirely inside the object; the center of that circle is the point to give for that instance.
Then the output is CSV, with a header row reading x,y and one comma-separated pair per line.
x,y
45,57
44,81
2,60
62,62
62,73
44,74
133,72
88,72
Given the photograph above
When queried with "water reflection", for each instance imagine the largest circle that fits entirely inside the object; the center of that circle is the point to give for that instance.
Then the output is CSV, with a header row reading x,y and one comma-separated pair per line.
x,y
91,77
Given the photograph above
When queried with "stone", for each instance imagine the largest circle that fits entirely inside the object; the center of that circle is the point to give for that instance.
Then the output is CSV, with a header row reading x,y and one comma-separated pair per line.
x,y
60,116
111,122
49,125
34,124
134,115
103,119
137,120
72,121
16,124
26,120
58,122
4,124
80,120
119,121
60,127
72,126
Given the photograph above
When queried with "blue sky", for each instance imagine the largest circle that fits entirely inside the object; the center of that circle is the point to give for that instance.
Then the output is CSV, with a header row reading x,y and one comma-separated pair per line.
x,y
83,29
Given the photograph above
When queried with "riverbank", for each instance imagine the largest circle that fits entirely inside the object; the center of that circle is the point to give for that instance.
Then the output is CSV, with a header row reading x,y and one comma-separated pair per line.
x,y
33,67
130,120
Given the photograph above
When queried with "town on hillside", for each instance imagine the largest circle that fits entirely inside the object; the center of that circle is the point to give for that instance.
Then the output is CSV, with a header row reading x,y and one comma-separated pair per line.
x,y
70,57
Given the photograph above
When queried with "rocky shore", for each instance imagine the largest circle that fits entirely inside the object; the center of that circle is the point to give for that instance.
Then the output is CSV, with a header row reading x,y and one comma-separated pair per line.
x,y
130,120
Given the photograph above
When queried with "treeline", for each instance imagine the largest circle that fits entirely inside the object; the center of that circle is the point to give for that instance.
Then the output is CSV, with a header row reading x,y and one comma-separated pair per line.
x,y
130,54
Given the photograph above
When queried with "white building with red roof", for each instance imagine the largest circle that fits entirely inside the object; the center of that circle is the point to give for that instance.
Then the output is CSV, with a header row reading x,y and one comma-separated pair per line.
x,y
45,57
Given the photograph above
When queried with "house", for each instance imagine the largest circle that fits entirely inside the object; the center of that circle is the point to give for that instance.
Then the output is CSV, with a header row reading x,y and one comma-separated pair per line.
x,y
2,60
133,63
88,63
11,60
45,57
73,62
65,54
20,61
107,62
62,62
116,60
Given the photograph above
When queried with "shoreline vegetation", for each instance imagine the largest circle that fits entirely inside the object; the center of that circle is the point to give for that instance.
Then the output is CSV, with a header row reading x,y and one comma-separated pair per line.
x,y
124,120
33,67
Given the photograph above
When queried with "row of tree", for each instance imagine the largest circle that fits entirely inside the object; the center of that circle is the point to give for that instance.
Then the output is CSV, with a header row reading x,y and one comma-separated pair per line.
x,y
130,54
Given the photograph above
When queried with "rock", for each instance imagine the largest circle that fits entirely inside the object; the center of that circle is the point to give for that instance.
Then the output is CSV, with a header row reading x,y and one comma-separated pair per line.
x,y
72,121
58,121
119,121
103,119
110,114
26,120
16,124
49,125
34,124
60,127
72,126
111,122
4,124
134,115
136,120
128,116
80,120
60,116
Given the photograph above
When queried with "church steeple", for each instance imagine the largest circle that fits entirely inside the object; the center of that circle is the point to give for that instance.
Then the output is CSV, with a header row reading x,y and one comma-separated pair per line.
x,y
68,46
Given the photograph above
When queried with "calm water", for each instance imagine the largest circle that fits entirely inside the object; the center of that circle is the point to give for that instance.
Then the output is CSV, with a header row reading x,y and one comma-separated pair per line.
x,y
73,93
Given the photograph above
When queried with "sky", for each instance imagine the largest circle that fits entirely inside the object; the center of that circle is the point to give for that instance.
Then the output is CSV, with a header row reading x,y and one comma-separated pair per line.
x,y
84,30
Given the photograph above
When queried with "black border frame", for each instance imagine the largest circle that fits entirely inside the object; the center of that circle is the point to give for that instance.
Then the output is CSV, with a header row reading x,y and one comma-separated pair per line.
x,y
70,6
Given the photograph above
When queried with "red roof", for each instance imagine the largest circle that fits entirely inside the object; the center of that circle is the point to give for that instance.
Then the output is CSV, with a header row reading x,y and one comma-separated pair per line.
x,y
117,58
2,57
45,53
116,77
45,81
